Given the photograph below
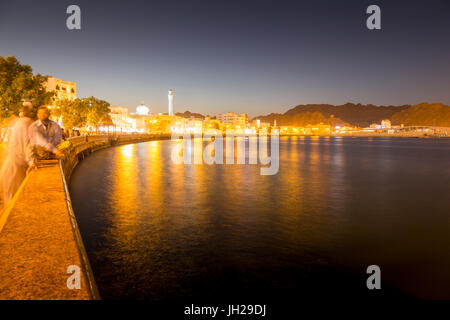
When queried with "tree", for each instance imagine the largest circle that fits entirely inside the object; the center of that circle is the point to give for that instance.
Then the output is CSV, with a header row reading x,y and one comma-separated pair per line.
x,y
97,110
82,112
73,113
18,82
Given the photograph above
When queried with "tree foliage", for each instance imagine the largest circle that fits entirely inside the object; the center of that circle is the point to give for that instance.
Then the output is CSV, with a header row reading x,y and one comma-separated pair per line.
x,y
97,111
82,112
17,82
73,113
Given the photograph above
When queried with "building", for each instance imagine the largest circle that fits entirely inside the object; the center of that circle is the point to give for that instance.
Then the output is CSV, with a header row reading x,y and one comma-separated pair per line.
x,y
194,125
259,124
139,119
212,125
63,89
142,110
234,119
385,124
120,118
161,123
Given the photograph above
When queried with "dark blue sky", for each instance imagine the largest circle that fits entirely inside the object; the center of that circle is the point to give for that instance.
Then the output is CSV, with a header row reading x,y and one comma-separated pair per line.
x,y
244,56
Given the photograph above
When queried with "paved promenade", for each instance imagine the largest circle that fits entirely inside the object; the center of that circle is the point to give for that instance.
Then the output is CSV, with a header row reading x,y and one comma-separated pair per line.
x,y
2,149
2,155
37,246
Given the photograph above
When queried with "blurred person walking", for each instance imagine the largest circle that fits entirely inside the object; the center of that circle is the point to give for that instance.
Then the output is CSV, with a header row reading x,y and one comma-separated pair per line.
x,y
19,158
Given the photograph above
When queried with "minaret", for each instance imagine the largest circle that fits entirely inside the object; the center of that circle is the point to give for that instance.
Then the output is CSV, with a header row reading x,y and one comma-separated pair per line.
x,y
170,102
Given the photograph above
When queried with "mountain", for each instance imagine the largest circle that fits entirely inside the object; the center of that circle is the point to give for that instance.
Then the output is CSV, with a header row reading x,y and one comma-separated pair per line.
x,y
349,113
188,114
424,114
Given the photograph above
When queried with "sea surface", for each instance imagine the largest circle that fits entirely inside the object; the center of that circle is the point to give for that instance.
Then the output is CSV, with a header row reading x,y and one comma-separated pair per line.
x,y
157,230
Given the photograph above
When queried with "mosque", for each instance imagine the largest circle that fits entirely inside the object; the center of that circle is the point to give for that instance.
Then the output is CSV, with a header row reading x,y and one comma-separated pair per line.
x,y
142,110
142,120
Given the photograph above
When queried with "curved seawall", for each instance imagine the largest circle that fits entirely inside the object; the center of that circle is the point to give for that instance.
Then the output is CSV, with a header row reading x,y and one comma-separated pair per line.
x,y
40,244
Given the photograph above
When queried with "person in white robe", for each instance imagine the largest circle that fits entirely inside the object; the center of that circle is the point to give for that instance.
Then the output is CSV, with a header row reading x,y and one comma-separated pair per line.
x,y
19,157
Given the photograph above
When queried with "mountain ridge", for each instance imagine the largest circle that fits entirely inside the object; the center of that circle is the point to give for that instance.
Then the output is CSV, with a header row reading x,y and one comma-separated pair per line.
x,y
434,114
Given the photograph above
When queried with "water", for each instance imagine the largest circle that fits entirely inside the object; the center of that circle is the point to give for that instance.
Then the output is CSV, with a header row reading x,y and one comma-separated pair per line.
x,y
163,231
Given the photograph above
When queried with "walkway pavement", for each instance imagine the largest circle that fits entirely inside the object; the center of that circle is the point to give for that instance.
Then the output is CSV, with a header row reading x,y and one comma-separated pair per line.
x,y
2,155
37,243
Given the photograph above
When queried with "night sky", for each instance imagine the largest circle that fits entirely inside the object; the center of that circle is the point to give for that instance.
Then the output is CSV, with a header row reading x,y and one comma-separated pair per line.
x,y
244,56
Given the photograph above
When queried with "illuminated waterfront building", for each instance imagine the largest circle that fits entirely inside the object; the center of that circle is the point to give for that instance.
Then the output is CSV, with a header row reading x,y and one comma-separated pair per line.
x,y
233,119
120,119
142,110
195,125
212,125
319,129
258,124
138,119
63,89
161,123
309,130
137,123
385,124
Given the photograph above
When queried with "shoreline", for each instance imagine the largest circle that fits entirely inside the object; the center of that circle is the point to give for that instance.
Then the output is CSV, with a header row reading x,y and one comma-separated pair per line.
x,y
368,136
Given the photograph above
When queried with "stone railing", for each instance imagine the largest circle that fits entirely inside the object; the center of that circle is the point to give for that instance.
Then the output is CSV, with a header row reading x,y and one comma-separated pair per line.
x,y
84,146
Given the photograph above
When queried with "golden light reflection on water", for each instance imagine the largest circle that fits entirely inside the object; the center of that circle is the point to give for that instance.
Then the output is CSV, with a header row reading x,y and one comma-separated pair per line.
x,y
154,173
293,188
127,151
165,182
124,195
189,222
